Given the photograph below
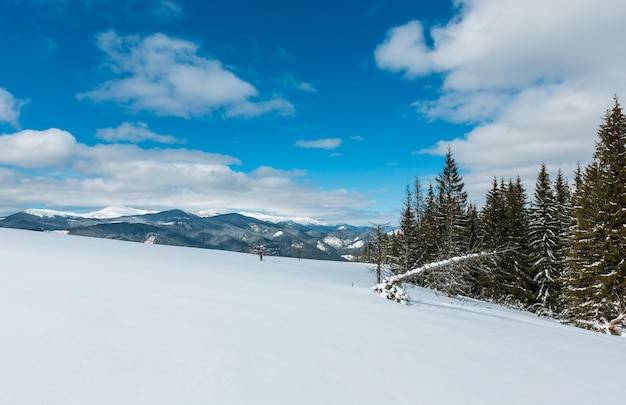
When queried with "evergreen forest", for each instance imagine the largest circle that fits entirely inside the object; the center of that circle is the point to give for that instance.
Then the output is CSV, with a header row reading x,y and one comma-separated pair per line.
x,y
560,250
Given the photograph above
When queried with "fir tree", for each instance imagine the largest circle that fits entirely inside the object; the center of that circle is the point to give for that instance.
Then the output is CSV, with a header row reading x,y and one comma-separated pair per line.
x,y
565,223
451,213
503,225
419,208
544,234
449,224
408,237
597,280
430,233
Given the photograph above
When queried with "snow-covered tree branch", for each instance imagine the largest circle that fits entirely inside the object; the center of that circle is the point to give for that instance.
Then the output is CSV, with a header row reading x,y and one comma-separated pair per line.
x,y
391,289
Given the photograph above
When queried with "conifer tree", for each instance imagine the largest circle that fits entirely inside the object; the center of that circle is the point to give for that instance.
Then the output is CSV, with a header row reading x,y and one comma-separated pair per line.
x,y
451,210
419,206
523,288
449,224
408,237
565,222
544,234
597,281
377,252
430,234
503,225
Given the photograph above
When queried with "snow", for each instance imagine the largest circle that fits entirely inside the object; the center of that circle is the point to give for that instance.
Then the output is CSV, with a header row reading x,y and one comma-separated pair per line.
x,y
278,234
339,243
334,241
105,213
321,246
357,244
99,321
276,219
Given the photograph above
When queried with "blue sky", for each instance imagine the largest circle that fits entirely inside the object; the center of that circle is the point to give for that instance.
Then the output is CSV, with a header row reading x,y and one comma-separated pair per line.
x,y
313,109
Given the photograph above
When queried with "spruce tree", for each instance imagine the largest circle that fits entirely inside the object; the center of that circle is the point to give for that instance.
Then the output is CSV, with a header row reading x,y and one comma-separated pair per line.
x,y
503,225
523,288
419,207
544,234
430,234
451,213
565,222
408,237
491,238
597,280
450,222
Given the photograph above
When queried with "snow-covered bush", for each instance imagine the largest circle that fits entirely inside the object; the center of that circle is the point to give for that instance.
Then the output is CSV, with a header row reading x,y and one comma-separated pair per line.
x,y
392,291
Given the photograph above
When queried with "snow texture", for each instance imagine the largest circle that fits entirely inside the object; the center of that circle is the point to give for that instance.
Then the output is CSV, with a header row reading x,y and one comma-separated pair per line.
x,y
96,321
334,241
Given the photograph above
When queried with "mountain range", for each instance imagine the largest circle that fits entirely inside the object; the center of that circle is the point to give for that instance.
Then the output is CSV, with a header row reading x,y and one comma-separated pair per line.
x,y
233,232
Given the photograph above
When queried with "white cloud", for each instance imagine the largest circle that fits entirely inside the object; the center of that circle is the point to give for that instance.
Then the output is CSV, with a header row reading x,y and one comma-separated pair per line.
x,y
267,171
35,149
50,168
9,107
248,109
404,50
133,132
533,77
166,76
291,81
326,143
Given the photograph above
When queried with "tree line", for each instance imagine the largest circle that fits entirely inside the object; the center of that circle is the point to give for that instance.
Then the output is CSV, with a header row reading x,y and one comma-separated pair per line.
x,y
562,250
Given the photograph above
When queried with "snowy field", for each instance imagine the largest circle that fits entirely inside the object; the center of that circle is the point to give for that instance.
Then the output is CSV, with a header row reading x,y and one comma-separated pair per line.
x,y
94,321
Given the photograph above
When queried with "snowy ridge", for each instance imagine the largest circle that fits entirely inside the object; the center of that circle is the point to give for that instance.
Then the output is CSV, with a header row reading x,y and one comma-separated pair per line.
x,y
105,213
278,219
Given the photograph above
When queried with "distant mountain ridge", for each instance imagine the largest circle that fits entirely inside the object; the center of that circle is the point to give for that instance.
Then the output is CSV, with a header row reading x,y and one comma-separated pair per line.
x,y
234,232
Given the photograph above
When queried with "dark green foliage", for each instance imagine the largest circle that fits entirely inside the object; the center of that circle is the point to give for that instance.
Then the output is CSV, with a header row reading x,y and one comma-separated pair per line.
x,y
408,238
504,226
543,234
597,277
451,210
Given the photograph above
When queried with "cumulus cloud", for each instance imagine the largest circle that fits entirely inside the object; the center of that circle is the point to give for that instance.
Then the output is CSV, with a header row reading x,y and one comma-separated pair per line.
x,y
532,77
135,133
325,143
166,76
50,168
404,50
9,107
36,149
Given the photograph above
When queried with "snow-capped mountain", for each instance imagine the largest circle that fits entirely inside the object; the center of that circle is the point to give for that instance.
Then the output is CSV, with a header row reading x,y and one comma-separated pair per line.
x,y
278,219
105,213
235,232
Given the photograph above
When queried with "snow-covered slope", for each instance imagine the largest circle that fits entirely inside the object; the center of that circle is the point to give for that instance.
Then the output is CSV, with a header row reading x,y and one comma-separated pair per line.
x,y
107,322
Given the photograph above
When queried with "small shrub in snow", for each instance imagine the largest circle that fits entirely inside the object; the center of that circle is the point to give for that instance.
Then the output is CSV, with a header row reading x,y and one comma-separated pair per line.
x,y
392,291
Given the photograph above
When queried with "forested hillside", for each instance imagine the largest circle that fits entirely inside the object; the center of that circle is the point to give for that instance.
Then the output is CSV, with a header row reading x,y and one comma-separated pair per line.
x,y
561,251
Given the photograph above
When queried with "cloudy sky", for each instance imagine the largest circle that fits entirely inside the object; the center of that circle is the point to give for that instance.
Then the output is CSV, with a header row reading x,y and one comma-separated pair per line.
x,y
322,109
